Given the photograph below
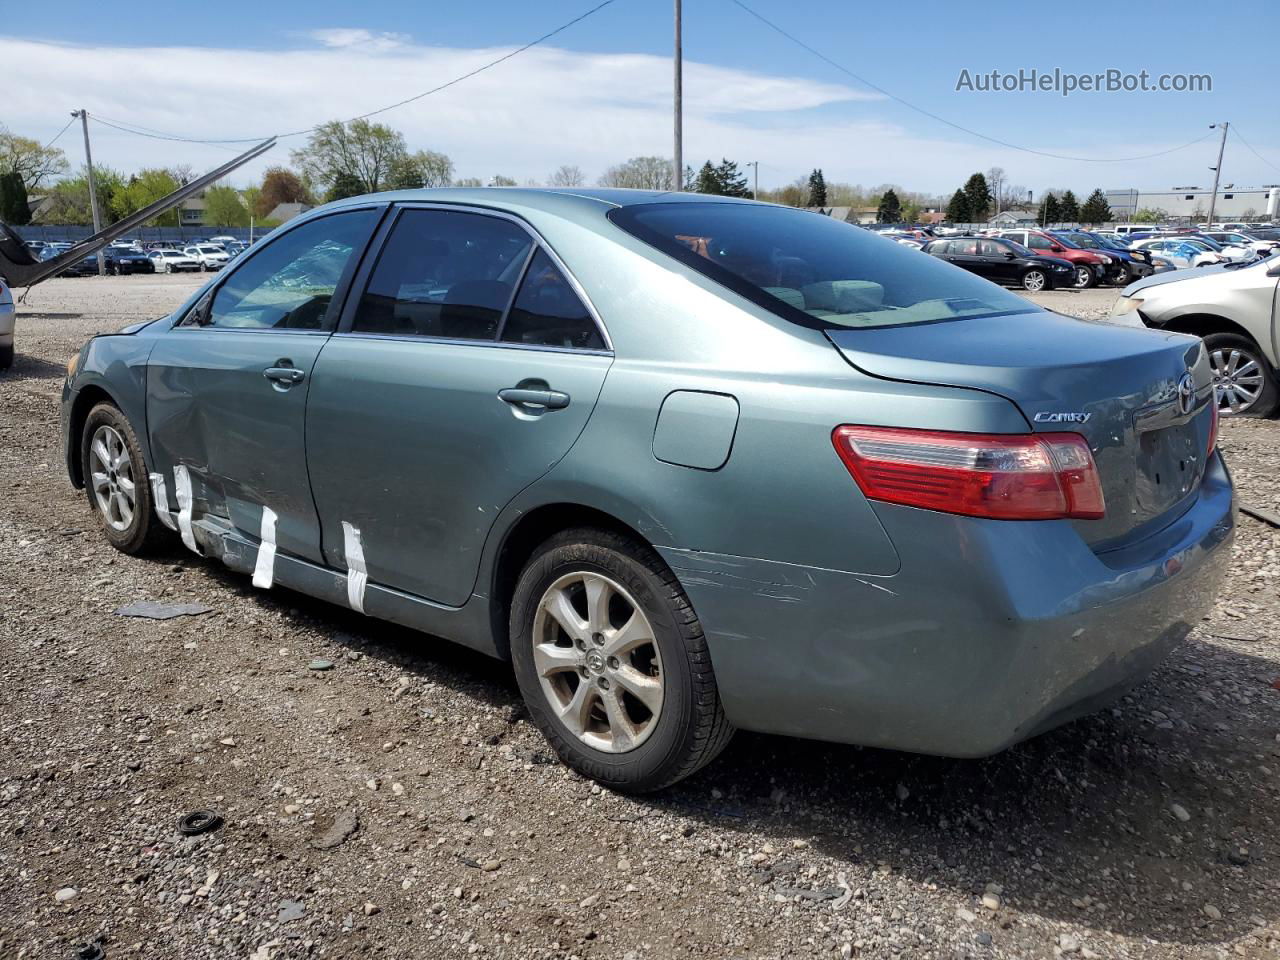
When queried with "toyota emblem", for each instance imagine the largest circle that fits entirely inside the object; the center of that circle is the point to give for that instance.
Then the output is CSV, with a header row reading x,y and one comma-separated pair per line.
x,y
1186,393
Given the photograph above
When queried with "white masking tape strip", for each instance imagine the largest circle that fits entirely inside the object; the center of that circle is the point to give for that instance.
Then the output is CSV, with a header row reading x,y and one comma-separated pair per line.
x,y
182,490
357,576
264,569
160,498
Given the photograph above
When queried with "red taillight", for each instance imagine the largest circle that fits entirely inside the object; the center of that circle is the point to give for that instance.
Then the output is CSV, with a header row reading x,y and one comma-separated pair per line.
x,y
1213,423
1039,476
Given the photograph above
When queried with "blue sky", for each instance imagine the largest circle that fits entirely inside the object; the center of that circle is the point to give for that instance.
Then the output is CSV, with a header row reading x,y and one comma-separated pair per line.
x,y
596,94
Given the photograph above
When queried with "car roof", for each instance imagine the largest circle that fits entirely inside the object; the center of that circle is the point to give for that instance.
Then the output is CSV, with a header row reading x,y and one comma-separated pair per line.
x,y
552,199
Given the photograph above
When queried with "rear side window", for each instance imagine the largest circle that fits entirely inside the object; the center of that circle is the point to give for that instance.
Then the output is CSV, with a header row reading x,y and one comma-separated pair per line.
x,y
548,313
811,269
444,274
290,283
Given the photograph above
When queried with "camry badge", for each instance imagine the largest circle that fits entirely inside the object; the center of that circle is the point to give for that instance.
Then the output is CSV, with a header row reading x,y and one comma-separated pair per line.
x,y
1062,417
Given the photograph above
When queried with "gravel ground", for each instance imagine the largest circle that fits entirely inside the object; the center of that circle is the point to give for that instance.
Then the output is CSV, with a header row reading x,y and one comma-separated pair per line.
x,y
400,805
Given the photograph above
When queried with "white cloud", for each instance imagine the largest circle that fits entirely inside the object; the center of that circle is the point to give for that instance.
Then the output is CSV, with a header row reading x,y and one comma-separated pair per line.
x,y
522,119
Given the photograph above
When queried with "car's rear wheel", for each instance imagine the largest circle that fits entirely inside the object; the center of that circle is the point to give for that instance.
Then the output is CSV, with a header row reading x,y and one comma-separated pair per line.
x,y
116,481
1035,280
1085,277
1242,378
613,664
168,268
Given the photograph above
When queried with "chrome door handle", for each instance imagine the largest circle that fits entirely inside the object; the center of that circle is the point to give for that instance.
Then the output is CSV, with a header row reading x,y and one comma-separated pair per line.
x,y
284,374
519,396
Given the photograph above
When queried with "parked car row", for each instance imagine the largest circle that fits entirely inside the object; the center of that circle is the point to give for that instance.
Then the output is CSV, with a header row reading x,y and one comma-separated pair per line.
x,y
129,256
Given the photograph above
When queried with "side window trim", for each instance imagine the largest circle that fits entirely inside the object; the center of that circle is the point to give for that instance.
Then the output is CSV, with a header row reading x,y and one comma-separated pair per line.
x,y
378,243
340,293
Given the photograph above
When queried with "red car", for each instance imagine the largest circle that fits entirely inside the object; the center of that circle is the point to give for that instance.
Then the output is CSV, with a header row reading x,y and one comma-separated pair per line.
x,y
1090,266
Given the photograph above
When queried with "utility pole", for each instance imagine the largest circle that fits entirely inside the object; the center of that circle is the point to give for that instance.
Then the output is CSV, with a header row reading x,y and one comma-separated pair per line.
x,y
93,186
1217,171
755,189
678,171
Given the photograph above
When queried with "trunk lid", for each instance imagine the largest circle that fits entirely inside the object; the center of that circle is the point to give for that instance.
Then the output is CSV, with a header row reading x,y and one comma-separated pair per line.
x,y
1117,386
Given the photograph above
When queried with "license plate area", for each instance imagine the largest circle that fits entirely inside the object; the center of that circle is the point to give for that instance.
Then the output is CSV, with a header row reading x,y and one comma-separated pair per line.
x,y
1169,466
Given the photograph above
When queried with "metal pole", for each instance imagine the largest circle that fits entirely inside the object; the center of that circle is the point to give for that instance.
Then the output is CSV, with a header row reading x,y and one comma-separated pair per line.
x,y
93,186
1217,174
678,172
755,189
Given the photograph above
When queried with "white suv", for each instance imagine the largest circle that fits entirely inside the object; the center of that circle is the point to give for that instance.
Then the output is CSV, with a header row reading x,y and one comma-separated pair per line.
x,y
1236,308
209,256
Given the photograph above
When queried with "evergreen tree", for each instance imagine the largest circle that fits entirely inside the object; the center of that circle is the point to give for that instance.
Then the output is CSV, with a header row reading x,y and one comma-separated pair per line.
x,y
958,208
14,209
707,181
978,194
890,210
1069,208
817,189
1050,212
1096,210
344,185
733,182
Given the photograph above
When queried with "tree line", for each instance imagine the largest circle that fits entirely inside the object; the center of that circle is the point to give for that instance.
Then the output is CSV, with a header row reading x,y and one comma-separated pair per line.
x,y
358,157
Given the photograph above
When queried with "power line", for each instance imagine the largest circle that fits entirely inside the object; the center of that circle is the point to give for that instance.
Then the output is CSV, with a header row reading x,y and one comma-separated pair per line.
x,y
60,132
933,116
160,135
1236,131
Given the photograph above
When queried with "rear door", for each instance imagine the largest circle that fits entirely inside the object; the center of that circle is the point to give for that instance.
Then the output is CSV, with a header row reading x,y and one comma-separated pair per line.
x,y
465,369
227,387
999,261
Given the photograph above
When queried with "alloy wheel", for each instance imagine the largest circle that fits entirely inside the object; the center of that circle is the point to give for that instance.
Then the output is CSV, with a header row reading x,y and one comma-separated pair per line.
x,y
597,662
1237,380
1083,276
1033,280
114,488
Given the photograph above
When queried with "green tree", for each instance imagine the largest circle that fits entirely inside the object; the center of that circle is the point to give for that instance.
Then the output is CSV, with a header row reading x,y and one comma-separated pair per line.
x,y
1069,208
29,159
361,151
280,185
344,185
1050,211
1150,215
426,168
733,183
145,188
817,189
958,208
890,210
68,200
1096,210
224,208
14,209
706,181
640,173
978,194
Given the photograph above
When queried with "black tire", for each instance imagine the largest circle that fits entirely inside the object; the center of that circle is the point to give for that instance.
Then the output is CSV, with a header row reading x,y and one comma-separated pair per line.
x,y
145,532
6,357
690,728
1268,400
1085,277
1036,281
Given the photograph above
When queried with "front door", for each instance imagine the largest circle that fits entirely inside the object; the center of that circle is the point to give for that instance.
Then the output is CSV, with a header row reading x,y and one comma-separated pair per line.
x,y
466,369
227,386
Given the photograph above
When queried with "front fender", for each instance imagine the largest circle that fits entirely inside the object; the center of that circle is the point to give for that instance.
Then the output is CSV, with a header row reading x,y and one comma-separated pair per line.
x,y
112,367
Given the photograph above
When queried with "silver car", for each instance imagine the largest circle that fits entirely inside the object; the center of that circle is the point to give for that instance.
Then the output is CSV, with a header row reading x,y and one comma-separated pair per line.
x,y
690,464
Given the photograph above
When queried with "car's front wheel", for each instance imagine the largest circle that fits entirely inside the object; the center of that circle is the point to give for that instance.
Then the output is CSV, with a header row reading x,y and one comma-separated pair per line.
x,y
612,662
1035,280
1242,377
116,481
1085,277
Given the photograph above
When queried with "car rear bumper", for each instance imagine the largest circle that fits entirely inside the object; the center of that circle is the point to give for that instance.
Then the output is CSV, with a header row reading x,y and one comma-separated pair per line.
x,y
991,632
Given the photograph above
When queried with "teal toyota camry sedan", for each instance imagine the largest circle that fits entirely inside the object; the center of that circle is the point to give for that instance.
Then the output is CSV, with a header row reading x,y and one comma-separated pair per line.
x,y
690,464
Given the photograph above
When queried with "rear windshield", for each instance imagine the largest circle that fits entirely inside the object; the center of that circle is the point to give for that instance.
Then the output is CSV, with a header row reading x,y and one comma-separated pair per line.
x,y
811,269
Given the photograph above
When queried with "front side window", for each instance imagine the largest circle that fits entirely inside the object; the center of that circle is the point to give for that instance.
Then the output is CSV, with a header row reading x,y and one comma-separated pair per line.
x,y
290,283
1039,243
444,273
811,269
548,313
